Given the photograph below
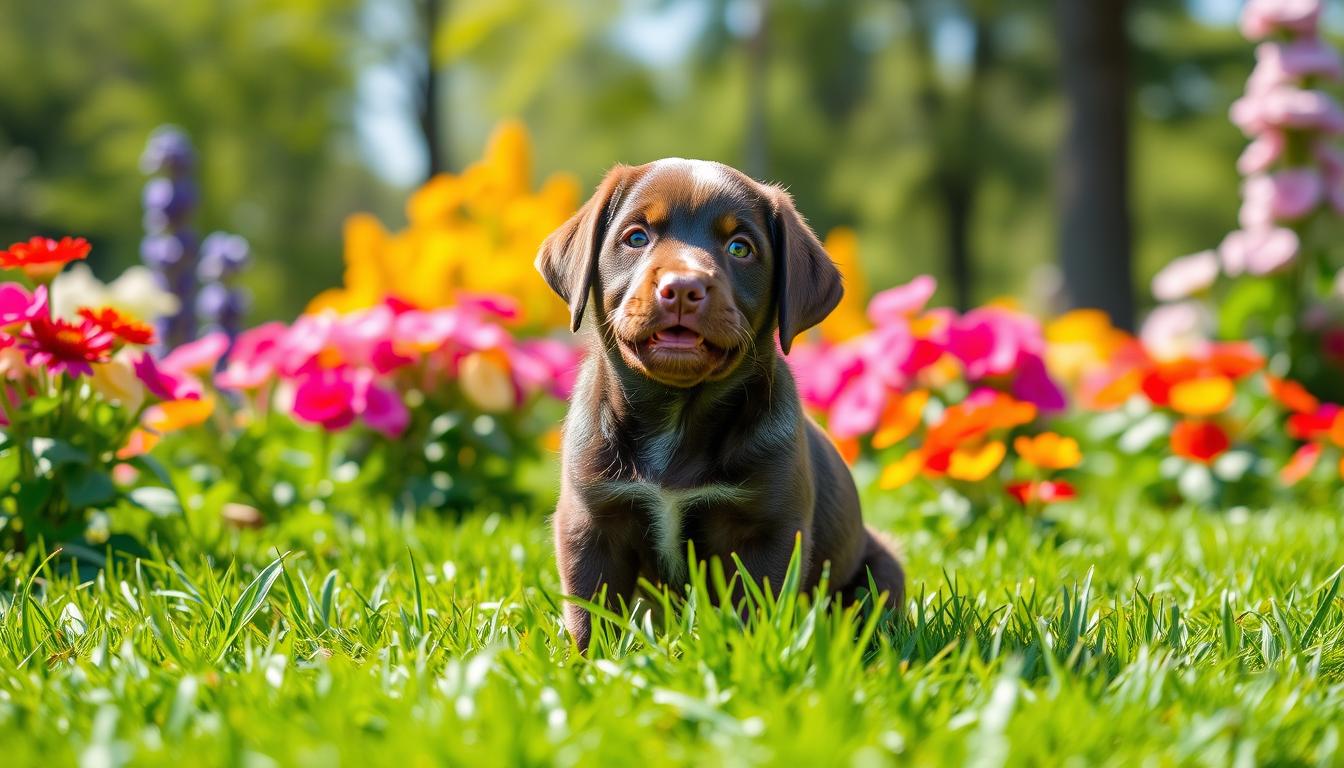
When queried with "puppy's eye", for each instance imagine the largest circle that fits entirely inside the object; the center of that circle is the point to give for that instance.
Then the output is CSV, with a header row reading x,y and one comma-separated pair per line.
x,y
739,249
636,238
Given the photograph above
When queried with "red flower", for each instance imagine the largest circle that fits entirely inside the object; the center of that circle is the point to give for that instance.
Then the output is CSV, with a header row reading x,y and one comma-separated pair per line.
x,y
41,257
117,324
1043,492
1200,441
61,346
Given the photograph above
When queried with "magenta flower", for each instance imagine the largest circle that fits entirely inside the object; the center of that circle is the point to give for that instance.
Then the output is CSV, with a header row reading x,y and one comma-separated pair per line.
x,y
326,398
1186,276
381,407
902,302
1259,251
17,305
823,370
254,357
165,383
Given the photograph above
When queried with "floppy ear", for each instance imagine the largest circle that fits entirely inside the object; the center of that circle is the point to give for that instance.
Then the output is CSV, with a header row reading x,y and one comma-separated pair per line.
x,y
807,283
568,257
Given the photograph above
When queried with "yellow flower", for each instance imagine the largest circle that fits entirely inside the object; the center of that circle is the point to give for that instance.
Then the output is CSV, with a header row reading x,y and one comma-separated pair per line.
x,y
975,464
173,415
477,231
901,471
850,317
1049,450
485,380
116,381
1079,342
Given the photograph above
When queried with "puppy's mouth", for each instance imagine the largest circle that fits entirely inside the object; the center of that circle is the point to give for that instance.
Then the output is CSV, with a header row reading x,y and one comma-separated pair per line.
x,y
679,356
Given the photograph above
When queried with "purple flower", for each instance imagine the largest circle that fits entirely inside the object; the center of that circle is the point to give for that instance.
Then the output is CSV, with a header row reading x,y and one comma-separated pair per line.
x,y
168,151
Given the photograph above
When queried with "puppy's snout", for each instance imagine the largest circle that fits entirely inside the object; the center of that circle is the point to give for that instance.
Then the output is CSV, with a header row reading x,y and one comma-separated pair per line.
x,y
682,293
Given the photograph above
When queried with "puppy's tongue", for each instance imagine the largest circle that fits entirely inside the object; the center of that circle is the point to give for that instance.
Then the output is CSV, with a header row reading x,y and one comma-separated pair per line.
x,y
683,338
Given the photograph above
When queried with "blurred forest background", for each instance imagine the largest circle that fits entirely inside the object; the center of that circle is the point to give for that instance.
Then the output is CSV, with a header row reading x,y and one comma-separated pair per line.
x,y
988,142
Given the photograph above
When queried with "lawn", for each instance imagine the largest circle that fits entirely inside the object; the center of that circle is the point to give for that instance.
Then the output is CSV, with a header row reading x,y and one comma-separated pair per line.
x,y
1107,633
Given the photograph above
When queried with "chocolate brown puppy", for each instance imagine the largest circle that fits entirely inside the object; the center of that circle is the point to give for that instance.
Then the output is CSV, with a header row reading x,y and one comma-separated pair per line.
x,y
686,424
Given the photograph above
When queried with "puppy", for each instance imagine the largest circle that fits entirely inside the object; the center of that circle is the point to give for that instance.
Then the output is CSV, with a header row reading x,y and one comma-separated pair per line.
x,y
686,424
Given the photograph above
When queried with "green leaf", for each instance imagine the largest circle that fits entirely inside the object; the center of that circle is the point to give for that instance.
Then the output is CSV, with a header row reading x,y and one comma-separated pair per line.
x,y
84,487
160,502
53,454
33,495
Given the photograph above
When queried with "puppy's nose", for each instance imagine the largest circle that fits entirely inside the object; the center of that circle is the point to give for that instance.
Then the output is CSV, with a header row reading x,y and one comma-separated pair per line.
x,y
682,292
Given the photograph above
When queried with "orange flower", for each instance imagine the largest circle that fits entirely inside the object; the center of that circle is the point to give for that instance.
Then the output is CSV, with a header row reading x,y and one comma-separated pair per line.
x,y
1043,492
1103,393
41,258
901,418
1303,461
1200,441
1235,360
124,328
974,418
1291,395
847,446
1049,450
1203,396
140,442
975,464
173,415
901,471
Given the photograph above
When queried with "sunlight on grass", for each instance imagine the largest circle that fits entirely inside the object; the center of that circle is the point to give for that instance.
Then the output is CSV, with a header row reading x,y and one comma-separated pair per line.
x,y
1186,635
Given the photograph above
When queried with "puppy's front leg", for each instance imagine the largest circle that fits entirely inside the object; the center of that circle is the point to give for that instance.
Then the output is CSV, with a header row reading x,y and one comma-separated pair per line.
x,y
587,560
764,559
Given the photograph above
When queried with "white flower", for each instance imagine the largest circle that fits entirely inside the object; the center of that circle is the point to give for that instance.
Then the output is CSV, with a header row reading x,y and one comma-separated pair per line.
x,y
136,292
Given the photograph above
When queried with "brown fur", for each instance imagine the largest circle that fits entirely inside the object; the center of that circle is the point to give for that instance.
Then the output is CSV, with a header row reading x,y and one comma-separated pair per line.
x,y
665,444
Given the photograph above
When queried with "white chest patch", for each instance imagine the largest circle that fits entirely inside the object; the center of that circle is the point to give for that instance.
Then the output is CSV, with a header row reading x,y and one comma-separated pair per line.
x,y
666,508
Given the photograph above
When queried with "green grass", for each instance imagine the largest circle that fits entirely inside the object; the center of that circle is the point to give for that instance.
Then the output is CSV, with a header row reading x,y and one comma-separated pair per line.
x,y
1104,636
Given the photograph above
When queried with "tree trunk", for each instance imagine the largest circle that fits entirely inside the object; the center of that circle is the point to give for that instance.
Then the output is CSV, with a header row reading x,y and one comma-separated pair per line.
x,y
432,130
1094,167
756,153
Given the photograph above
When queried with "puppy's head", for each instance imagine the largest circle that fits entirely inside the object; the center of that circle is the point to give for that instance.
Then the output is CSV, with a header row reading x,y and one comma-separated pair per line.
x,y
693,266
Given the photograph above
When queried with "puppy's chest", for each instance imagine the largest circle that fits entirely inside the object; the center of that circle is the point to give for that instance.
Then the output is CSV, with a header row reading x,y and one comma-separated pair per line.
x,y
668,512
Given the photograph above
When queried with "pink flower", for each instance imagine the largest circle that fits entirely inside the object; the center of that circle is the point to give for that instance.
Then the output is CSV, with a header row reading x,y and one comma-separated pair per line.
x,y
1262,153
1186,276
1283,196
1174,331
165,383
17,305
380,407
1287,107
822,371
1258,251
199,356
1261,18
988,340
900,303
549,365
326,398
858,407
254,357
1285,63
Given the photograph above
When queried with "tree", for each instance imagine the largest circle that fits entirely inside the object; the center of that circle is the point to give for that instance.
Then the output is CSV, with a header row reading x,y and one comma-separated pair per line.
x,y
1094,166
